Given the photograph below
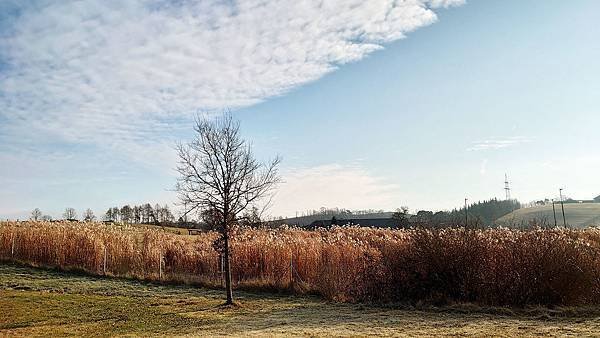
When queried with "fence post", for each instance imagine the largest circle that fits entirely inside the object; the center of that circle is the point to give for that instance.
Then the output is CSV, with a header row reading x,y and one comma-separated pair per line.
x,y
12,249
160,266
105,257
292,268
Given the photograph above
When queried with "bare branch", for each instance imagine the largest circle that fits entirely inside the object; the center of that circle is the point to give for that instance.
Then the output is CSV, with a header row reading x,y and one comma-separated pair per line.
x,y
217,169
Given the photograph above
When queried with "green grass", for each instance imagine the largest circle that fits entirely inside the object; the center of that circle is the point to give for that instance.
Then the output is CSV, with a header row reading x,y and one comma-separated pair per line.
x,y
577,215
36,302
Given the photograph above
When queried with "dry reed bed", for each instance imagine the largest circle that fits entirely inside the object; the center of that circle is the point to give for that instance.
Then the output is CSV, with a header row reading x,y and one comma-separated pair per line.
x,y
493,266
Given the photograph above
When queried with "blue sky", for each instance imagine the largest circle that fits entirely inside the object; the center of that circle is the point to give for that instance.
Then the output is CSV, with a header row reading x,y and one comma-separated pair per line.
x,y
419,105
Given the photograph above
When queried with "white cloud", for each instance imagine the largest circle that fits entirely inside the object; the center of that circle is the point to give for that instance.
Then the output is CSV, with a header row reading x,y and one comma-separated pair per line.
x,y
125,74
350,187
498,143
445,3
124,78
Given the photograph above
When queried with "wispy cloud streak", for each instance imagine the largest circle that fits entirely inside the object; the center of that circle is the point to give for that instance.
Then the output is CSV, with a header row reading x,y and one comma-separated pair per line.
x,y
498,143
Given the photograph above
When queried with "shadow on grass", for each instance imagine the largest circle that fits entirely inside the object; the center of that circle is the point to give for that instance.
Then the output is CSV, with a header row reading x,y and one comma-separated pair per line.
x,y
21,277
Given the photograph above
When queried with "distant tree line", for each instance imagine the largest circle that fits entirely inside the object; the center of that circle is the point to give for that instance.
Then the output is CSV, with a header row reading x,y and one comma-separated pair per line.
x,y
338,212
482,213
307,217
489,211
37,215
70,214
140,214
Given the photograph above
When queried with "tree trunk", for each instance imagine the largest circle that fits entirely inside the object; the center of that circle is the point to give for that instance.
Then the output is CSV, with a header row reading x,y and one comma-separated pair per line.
x,y
227,271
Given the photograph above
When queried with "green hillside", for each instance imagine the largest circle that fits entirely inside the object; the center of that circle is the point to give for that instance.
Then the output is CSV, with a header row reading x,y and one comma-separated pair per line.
x,y
577,215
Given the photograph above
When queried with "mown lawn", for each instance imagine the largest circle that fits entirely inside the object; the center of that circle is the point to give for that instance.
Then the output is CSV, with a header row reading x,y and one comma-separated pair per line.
x,y
36,302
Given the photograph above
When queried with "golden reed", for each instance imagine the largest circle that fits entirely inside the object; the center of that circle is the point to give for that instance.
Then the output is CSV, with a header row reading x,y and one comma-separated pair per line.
x,y
352,264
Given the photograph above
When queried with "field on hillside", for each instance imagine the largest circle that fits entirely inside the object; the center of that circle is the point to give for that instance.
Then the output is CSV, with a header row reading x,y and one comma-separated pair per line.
x,y
577,215
345,264
37,302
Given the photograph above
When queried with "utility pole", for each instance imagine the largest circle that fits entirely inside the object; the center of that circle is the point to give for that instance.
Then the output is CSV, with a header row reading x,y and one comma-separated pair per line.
x,y
562,206
554,212
506,187
466,214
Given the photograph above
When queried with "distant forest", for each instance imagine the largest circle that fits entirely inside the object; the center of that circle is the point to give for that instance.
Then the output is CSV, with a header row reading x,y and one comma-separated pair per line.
x,y
480,213
140,214
307,217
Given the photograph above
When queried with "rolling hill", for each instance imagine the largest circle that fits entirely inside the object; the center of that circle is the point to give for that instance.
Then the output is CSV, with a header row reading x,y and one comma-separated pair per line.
x,y
579,215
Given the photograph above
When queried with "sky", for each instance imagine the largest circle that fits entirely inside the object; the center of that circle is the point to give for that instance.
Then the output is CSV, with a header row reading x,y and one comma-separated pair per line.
x,y
371,105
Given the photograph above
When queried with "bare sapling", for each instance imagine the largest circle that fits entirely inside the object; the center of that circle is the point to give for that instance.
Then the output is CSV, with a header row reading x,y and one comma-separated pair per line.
x,y
218,174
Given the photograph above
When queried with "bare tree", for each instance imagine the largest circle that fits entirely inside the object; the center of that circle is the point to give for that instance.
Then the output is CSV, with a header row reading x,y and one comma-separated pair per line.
x,y
218,172
126,214
210,219
88,215
108,216
166,215
137,214
36,214
252,218
116,213
401,215
147,213
157,214
70,214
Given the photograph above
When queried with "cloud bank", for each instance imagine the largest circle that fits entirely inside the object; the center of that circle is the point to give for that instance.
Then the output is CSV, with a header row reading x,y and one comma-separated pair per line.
x,y
350,187
127,72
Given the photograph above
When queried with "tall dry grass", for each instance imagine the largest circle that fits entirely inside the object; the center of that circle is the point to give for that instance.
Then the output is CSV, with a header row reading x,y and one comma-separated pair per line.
x,y
493,266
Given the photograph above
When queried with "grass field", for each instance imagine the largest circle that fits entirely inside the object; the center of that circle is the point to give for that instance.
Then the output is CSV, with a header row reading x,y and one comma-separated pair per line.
x,y
577,215
37,302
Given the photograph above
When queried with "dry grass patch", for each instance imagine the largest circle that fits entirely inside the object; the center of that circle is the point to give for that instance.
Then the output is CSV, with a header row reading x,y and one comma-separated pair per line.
x,y
38,302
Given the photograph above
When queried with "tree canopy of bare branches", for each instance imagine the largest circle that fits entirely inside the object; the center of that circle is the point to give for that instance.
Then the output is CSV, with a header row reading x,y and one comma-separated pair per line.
x,y
218,172
88,215
36,214
70,214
